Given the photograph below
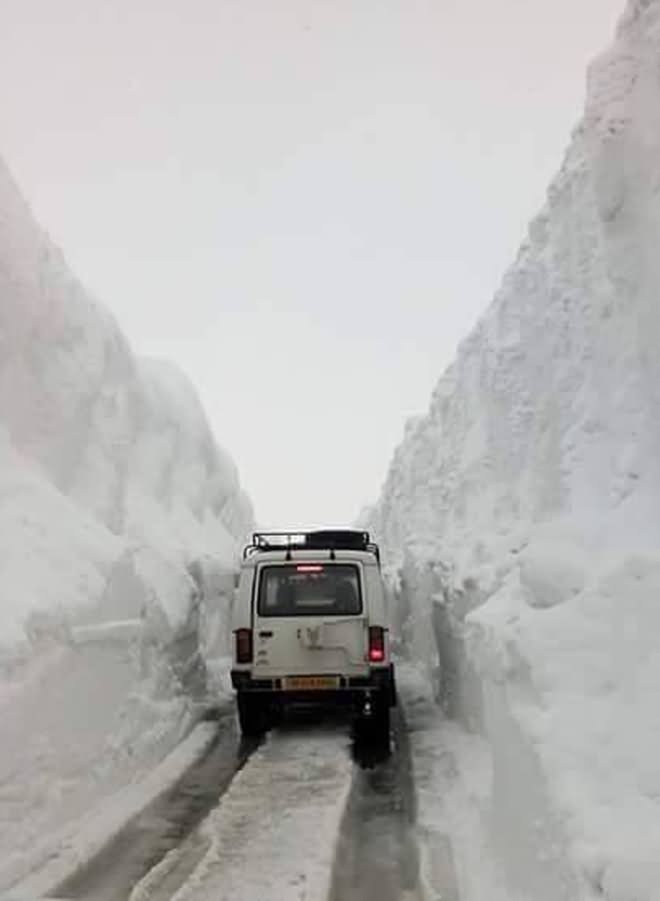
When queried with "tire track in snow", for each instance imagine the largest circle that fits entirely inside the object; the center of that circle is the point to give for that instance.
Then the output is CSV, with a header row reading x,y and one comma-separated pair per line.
x,y
377,857
273,836
299,822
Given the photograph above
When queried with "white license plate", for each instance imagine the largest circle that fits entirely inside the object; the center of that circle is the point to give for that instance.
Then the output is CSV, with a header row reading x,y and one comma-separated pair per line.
x,y
311,683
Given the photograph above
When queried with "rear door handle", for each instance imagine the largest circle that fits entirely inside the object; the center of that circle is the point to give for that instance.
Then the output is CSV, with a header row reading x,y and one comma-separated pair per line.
x,y
265,635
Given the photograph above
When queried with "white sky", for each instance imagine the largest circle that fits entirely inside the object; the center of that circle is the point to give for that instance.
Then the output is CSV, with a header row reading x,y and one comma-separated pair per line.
x,y
305,203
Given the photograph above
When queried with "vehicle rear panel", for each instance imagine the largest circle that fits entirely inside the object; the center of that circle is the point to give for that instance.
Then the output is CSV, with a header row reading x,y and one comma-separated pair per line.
x,y
329,639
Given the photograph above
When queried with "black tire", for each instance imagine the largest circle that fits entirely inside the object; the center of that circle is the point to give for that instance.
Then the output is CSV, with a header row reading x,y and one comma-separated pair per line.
x,y
251,715
381,721
392,687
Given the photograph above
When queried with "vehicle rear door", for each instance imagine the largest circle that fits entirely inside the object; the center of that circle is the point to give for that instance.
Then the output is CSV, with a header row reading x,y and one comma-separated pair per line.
x,y
309,619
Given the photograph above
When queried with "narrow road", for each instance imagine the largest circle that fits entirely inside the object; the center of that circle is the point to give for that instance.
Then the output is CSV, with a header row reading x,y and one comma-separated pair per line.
x,y
305,816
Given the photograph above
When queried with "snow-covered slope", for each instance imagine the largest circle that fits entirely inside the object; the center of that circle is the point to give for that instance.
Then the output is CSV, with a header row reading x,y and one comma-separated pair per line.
x,y
521,513
111,483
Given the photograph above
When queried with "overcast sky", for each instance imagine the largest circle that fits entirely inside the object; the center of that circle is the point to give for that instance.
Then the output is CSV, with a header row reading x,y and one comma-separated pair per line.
x,y
304,203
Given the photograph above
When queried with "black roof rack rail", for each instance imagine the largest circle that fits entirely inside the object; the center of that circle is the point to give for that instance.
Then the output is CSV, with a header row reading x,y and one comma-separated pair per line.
x,y
315,540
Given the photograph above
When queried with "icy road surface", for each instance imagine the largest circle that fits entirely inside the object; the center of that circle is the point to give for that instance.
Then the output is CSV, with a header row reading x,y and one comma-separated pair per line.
x,y
377,857
311,817
305,816
273,834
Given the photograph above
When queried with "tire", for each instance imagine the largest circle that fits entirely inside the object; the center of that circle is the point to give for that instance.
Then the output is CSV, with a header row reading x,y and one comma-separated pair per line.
x,y
380,726
251,715
392,687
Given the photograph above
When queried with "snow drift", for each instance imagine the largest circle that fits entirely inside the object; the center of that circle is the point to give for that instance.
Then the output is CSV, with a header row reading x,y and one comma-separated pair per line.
x,y
114,496
521,513
120,516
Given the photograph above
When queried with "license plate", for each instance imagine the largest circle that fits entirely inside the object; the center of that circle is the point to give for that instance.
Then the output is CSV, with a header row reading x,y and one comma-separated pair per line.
x,y
311,683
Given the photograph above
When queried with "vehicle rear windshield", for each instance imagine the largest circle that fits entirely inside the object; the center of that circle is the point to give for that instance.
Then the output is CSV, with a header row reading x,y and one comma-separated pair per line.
x,y
309,589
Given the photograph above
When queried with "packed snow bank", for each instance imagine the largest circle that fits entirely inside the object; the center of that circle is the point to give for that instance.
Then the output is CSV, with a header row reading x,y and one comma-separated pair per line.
x,y
52,552
117,508
452,778
76,733
101,826
114,493
520,514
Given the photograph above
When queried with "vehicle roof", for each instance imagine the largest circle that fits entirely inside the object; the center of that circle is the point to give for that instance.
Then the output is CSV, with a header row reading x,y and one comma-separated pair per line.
x,y
367,558
315,544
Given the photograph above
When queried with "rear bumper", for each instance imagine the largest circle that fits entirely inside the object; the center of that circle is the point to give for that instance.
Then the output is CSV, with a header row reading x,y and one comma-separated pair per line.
x,y
352,689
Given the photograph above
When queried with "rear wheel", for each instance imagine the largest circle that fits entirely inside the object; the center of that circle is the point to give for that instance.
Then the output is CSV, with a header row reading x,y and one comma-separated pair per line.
x,y
392,687
252,714
381,723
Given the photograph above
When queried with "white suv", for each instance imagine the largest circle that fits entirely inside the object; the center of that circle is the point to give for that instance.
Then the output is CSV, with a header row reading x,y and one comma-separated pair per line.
x,y
309,628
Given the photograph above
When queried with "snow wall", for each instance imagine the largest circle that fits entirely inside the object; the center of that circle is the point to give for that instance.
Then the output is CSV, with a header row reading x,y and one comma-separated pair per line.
x,y
115,500
521,515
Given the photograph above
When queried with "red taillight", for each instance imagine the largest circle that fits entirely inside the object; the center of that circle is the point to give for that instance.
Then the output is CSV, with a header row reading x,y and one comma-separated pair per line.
x,y
309,568
376,644
243,645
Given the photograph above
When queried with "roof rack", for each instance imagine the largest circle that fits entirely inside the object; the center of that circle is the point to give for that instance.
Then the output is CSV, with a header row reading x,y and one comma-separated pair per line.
x,y
323,539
